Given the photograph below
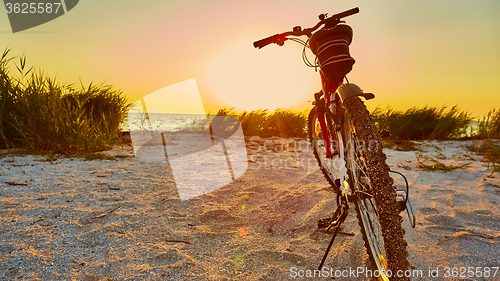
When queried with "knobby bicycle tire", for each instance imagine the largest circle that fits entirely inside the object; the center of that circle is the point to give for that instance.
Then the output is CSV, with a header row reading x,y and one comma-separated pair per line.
x,y
382,216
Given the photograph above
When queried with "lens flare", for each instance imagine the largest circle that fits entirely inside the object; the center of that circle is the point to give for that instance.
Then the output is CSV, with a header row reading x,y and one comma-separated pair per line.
x,y
243,232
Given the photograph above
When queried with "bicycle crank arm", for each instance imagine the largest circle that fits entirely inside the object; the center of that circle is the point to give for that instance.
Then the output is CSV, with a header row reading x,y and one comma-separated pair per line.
x,y
332,222
338,217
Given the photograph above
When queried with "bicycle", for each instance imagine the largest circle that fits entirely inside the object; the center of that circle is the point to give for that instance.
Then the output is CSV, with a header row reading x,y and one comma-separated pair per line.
x,y
348,148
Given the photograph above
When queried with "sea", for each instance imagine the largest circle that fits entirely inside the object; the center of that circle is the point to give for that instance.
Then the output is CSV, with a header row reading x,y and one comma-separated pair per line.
x,y
163,121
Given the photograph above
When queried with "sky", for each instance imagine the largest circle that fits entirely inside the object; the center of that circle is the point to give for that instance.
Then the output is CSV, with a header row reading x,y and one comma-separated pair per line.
x,y
408,53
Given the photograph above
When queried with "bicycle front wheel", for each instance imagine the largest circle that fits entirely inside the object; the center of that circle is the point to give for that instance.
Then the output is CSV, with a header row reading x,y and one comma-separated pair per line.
x,y
374,196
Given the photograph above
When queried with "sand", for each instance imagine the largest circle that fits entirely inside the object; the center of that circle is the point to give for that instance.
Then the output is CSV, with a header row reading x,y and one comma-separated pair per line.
x,y
72,219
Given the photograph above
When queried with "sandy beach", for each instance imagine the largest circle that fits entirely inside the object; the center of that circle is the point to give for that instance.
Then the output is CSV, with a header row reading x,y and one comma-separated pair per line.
x,y
72,219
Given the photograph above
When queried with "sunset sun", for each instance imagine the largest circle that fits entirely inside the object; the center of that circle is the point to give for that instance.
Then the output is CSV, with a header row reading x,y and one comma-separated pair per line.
x,y
273,77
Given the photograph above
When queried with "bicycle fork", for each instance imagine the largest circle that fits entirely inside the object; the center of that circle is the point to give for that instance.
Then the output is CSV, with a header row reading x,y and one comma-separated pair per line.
x,y
322,113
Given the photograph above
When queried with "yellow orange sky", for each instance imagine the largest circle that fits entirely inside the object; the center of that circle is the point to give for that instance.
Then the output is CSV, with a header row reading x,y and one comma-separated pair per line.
x,y
409,53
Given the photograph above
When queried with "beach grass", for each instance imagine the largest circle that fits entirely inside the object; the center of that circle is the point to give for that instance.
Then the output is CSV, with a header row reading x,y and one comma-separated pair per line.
x,y
428,123
489,125
489,149
423,123
39,114
431,164
281,122
495,169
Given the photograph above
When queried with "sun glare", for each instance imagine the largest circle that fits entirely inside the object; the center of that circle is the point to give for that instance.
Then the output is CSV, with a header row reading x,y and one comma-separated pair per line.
x,y
273,77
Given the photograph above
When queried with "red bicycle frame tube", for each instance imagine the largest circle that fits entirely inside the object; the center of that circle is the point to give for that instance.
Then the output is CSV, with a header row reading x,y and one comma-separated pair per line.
x,y
320,113
328,89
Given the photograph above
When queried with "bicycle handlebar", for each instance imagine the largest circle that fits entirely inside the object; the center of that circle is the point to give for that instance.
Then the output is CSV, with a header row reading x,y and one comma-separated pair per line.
x,y
345,14
282,37
278,39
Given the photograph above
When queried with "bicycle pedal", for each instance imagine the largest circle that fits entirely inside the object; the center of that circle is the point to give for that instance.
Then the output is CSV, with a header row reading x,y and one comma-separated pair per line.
x,y
327,223
333,225
324,223
405,204
402,206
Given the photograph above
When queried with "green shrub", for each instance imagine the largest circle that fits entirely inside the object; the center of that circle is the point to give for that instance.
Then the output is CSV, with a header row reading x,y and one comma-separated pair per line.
x,y
38,114
423,123
254,122
488,148
286,123
282,123
489,126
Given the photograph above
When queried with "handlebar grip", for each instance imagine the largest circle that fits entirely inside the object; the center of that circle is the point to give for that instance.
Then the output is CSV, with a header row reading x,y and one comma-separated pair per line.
x,y
269,40
346,13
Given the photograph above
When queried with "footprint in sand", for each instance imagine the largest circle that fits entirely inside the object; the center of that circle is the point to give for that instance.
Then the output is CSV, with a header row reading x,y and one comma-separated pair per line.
x,y
216,215
483,219
441,225
428,211
441,220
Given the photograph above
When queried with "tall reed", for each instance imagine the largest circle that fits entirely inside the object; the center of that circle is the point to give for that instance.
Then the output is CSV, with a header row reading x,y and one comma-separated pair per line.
x,y
281,122
39,114
488,127
423,123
